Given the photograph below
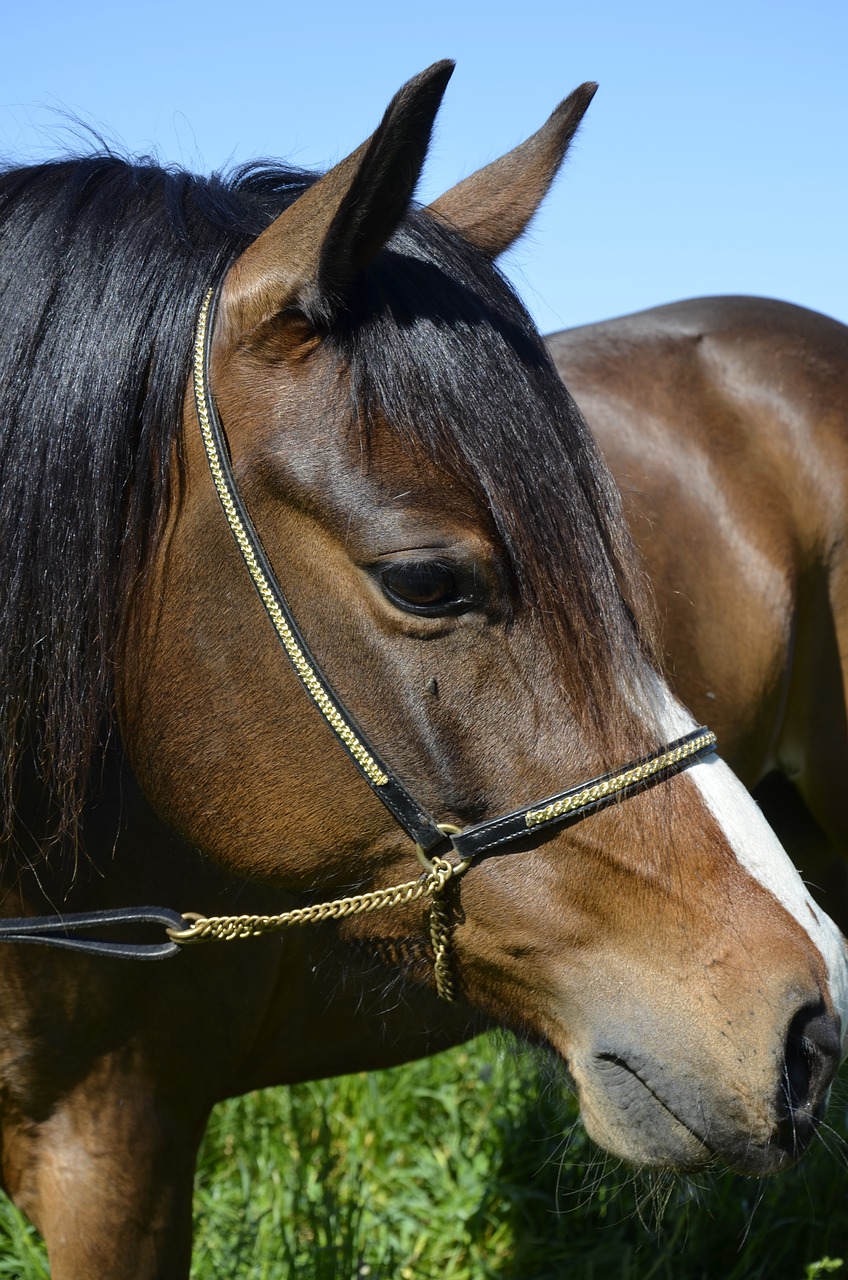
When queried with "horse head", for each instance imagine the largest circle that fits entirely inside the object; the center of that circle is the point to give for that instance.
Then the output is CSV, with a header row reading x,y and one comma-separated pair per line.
x,y
452,548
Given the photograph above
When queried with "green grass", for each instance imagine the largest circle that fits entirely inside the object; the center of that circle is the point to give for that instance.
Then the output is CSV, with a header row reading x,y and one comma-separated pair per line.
x,y
471,1166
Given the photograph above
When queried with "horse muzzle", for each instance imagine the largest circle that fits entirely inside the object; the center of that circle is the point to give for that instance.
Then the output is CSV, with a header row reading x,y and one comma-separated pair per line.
x,y
665,1111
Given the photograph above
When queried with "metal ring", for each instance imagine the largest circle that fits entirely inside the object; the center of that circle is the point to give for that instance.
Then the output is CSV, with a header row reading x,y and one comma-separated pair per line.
x,y
447,829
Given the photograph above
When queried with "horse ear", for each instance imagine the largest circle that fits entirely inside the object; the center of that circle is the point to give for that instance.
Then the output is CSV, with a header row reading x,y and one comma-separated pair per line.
x,y
493,206
307,258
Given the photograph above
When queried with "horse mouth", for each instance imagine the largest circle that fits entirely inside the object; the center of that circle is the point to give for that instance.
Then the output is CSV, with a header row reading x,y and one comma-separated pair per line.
x,y
656,1122
667,1137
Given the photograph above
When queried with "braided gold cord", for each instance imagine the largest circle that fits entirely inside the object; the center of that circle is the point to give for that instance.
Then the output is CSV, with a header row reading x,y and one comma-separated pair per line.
x,y
620,781
305,671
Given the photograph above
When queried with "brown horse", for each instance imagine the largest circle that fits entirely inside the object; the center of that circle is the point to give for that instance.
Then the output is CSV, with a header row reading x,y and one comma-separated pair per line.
x,y
725,422
373,399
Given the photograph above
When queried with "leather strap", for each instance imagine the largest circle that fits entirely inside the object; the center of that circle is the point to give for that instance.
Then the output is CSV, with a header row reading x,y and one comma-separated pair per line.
x,y
421,826
578,802
60,931
387,786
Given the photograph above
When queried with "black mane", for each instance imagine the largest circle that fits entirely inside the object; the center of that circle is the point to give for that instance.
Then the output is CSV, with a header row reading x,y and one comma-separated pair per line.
x,y
103,265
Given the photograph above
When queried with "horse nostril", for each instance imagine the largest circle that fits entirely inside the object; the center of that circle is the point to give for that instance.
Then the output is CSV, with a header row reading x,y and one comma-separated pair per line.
x,y
810,1062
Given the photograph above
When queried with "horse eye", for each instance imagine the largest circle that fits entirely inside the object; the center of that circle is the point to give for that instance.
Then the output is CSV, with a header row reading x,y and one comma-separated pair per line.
x,y
424,586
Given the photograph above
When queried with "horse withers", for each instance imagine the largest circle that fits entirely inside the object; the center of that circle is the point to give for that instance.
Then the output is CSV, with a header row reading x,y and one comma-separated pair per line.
x,y
372,555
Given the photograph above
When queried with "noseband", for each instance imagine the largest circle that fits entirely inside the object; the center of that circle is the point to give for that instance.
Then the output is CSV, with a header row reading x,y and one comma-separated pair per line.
x,y
423,829
427,834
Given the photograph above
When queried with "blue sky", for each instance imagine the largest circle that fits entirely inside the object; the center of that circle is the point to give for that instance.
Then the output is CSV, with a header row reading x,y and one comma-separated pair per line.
x,y
713,160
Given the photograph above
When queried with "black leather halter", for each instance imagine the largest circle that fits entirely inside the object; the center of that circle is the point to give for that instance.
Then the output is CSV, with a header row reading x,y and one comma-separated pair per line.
x,y
427,834
422,827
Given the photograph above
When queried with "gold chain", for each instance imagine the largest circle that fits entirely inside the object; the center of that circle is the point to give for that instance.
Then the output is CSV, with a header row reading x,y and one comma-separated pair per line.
x,y
438,871
432,884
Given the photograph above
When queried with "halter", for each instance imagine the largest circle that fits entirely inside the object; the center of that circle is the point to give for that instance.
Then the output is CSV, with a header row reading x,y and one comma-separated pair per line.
x,y
423,829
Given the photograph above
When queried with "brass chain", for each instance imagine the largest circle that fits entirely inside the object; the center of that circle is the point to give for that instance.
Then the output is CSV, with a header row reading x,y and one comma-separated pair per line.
x,y
432,884
438,872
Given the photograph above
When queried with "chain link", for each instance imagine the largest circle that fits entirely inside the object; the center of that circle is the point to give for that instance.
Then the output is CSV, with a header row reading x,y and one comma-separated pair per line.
x,y
431,884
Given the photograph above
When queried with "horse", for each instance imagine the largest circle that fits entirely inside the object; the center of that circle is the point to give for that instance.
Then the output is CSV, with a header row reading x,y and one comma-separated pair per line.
x,y
725,423
322,623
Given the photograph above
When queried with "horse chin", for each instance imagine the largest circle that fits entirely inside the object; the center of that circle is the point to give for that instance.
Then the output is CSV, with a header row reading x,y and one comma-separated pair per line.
x,y
633,1109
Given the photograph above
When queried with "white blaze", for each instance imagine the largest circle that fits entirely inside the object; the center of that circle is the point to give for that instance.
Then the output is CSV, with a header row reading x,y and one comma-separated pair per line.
x,y
758,850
